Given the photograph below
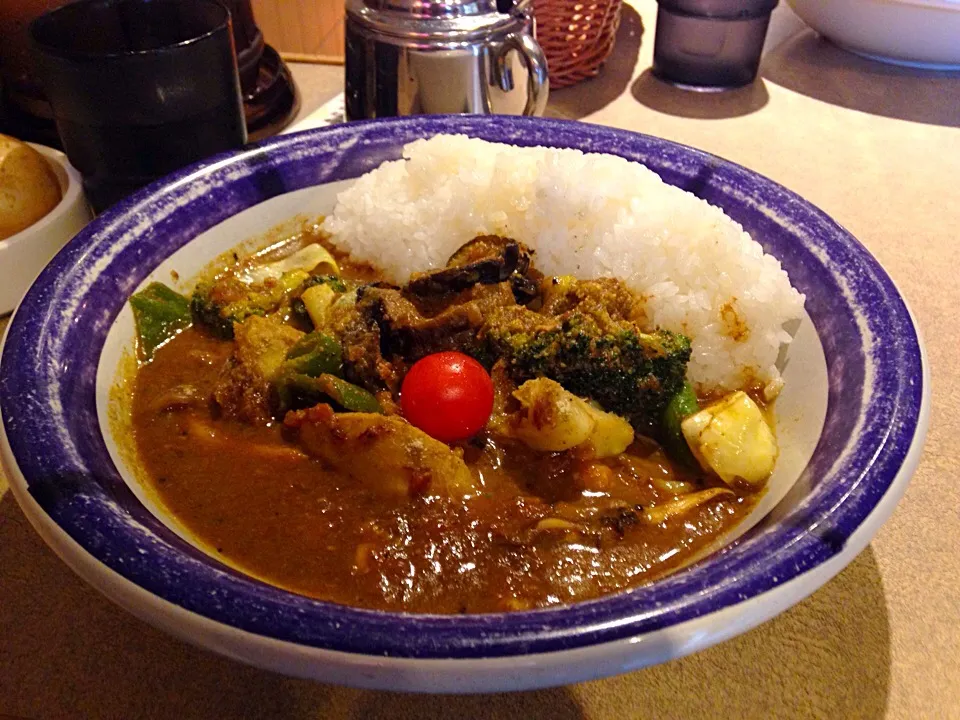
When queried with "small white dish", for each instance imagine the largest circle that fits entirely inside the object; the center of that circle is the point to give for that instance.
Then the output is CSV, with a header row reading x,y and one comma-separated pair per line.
x,y
916,33
24,255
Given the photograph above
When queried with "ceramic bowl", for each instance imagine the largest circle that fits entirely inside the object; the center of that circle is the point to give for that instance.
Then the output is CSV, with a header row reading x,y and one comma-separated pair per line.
x,y
23,255
917,33
851,421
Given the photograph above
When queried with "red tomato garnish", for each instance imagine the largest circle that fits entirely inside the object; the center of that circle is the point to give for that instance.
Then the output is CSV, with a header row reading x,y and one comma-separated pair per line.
x,y
448,395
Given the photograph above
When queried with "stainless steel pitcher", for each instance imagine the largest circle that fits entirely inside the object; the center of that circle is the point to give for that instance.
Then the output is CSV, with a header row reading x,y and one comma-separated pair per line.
x,y
415,57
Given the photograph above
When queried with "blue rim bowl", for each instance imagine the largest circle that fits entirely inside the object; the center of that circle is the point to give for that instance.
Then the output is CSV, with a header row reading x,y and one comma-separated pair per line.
x,y
62,474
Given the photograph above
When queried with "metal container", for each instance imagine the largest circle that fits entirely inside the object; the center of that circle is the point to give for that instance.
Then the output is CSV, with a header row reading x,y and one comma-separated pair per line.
x,y
416,57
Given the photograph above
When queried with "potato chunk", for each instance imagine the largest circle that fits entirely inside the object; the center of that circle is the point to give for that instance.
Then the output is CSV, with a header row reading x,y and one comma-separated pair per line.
x,y
552,419
383,452
732,439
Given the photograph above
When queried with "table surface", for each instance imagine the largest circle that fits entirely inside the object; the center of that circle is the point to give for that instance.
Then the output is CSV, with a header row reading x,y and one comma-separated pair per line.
x,y
876,147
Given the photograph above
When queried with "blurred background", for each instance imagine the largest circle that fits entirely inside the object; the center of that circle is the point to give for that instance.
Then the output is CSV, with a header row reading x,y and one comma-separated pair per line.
x,y
304,30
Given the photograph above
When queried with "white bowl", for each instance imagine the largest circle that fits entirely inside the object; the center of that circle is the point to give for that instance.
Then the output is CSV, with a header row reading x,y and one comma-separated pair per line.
x,y
918,33
24,255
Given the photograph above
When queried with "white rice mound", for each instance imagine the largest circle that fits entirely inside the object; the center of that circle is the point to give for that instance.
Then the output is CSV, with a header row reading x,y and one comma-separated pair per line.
x,y
588,215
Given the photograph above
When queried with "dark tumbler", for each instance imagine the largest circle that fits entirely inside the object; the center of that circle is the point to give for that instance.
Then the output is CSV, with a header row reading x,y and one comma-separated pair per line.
x,y
139,88
712,44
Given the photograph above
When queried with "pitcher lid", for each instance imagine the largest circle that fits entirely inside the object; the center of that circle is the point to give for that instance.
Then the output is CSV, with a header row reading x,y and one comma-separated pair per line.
x,y
447,19
447,8
435,8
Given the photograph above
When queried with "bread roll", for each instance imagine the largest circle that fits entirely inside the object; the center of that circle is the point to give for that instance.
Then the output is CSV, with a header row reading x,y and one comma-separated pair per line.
x,y
28,186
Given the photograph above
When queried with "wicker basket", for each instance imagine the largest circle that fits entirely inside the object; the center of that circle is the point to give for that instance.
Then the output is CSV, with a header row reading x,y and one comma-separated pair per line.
x,y
576,36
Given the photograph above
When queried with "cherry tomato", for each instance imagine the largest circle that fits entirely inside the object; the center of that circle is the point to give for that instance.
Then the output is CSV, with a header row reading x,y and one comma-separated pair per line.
x,y
448,395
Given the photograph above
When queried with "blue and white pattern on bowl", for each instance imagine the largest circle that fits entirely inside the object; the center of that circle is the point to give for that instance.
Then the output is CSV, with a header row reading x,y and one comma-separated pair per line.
x,y
56,454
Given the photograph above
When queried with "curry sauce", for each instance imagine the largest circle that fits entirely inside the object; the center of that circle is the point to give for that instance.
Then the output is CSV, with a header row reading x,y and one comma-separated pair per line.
x,y
531,528
248,494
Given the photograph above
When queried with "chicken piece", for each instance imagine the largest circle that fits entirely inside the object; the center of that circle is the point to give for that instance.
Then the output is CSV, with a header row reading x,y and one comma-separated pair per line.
x,y
384,453
243,389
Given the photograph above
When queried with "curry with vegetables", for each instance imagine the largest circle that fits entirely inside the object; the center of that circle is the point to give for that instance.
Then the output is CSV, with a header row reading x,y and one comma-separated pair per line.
x,y
483,438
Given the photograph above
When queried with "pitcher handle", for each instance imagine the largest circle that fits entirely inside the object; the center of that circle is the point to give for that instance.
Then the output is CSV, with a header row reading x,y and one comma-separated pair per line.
x,y
538,83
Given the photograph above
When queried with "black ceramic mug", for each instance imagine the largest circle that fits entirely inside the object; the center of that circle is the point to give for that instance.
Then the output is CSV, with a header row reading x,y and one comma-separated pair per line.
x,y
139,88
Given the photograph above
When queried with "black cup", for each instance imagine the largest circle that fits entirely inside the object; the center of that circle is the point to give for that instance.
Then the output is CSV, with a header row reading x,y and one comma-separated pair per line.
x,y
139,88
710,43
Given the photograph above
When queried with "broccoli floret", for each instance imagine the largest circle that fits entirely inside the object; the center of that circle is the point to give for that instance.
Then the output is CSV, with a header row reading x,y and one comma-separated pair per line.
x,y
336,283
227,300
211,312
253,287
628,372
